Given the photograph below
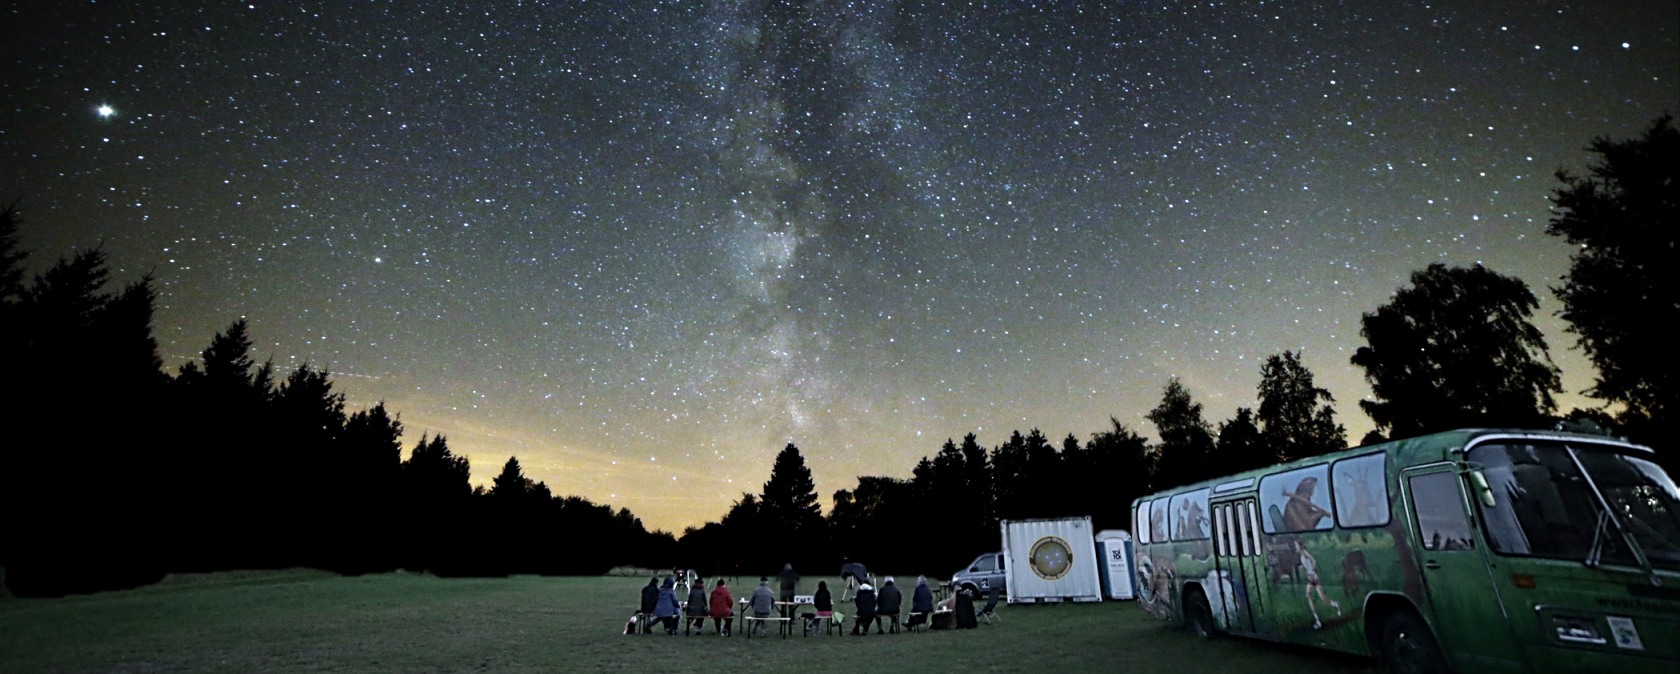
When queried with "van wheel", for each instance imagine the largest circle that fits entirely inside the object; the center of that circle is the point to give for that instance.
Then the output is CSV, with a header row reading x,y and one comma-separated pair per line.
x,y
1409,648
1198,617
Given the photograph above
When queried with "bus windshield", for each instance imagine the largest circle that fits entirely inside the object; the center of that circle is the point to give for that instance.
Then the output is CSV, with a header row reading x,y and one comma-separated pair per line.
x,y
1545,507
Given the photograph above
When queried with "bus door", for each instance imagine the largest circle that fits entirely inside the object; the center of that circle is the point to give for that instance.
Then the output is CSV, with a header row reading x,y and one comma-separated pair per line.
x,y
1470,622
1237,543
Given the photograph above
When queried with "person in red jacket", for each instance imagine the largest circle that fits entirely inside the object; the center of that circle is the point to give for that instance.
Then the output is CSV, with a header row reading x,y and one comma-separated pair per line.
x,y
723,609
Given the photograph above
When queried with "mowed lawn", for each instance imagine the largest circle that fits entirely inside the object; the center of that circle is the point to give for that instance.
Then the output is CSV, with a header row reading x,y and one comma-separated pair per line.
x,y
308,621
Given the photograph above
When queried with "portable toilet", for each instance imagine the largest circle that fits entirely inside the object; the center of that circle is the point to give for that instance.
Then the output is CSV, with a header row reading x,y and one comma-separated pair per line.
x,y
1114,546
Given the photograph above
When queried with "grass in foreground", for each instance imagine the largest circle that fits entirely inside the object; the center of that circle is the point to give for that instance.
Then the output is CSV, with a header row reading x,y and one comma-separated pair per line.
x,y
306,621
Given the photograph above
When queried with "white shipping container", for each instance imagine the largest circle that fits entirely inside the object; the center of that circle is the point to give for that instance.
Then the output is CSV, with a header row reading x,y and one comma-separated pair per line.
x,y
1051,560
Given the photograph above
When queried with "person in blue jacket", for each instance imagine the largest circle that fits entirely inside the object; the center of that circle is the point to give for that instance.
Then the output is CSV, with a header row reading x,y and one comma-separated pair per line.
x,y
666,610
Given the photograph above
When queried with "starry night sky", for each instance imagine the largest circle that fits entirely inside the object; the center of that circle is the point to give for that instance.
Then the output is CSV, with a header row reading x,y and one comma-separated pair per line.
x,y
643,245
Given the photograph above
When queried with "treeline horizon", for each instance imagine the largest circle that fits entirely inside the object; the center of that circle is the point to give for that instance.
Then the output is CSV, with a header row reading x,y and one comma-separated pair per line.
x,y
229,464
130,472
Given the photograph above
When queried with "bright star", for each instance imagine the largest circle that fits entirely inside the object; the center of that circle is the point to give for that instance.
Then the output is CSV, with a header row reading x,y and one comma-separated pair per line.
x,y
106,111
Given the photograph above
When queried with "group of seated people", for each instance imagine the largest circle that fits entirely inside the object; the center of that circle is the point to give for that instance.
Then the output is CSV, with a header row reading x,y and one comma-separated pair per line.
x,y
878,609
660,604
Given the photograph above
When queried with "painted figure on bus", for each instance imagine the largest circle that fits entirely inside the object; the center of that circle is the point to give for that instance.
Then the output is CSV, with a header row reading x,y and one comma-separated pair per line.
x,y
1301,514
1224,599
1192,520
1310,565
1353,567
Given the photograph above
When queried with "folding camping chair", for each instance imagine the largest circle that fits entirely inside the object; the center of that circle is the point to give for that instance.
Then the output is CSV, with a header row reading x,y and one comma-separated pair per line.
x,y
989,613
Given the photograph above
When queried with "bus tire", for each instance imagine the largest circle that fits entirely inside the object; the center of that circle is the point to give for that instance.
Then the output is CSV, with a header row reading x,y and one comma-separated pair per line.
x,y
1198,616
1409,647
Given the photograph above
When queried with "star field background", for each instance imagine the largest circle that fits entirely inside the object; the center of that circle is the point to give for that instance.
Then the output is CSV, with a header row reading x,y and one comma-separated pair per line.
x,y
643,245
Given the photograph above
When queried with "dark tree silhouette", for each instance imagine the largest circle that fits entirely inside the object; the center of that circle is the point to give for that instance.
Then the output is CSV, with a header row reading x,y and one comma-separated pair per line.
x,y
221,468
789,504
83,359
1292,422
1186,439
1121,465
434,475
1456,349
868,524
1239,446
437,493
11,256
1009,477
789,499
1625,275
981,511
510,485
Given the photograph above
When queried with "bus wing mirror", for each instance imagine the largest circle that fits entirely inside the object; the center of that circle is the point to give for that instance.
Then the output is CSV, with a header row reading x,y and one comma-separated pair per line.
x,y
1483,491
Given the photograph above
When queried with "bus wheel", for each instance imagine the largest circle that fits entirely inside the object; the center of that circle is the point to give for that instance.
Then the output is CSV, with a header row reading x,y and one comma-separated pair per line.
x,y
1198,618
1409,648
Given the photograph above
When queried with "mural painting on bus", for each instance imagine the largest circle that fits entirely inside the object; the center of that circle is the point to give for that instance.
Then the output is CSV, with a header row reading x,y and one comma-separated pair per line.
x,y
1225,596
1190,558
1325,559
1157,575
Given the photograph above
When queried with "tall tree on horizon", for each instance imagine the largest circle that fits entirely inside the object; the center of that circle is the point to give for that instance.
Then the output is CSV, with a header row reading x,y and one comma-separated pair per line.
x,y
789,499
1186,438
1624,277
1009,476
1122,460
80,356
1456,349
510,484
1292,423
1238,446
977,484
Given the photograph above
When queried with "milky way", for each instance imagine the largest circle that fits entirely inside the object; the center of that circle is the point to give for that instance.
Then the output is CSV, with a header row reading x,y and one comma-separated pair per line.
x,y
644,245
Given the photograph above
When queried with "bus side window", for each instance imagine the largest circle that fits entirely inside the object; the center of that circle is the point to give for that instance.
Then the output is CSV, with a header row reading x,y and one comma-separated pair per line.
x,y
1137,522
1439,508
1252,529
1230,520
1223,525
1361,490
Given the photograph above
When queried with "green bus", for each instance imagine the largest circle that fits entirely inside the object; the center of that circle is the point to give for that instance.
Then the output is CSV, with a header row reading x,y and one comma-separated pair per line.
x,y
1474,550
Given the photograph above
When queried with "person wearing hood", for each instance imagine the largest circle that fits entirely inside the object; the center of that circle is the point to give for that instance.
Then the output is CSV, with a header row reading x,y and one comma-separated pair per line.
x,y
865,610
887,603
763,602
666,609
921,603
723,610
650,601
697,609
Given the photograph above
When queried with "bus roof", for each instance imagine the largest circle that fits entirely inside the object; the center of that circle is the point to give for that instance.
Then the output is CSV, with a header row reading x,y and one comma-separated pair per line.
x,y
1408,451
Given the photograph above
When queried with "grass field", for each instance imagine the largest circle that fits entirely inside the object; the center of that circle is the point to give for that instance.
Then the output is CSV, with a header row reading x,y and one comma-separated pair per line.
x,y
309,621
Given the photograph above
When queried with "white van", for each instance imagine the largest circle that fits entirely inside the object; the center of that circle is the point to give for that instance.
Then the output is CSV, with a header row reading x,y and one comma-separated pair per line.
x,y
982,574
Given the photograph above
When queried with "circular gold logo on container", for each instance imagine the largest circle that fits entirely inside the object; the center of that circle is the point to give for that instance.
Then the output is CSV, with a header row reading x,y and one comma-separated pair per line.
x,y
1051,558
